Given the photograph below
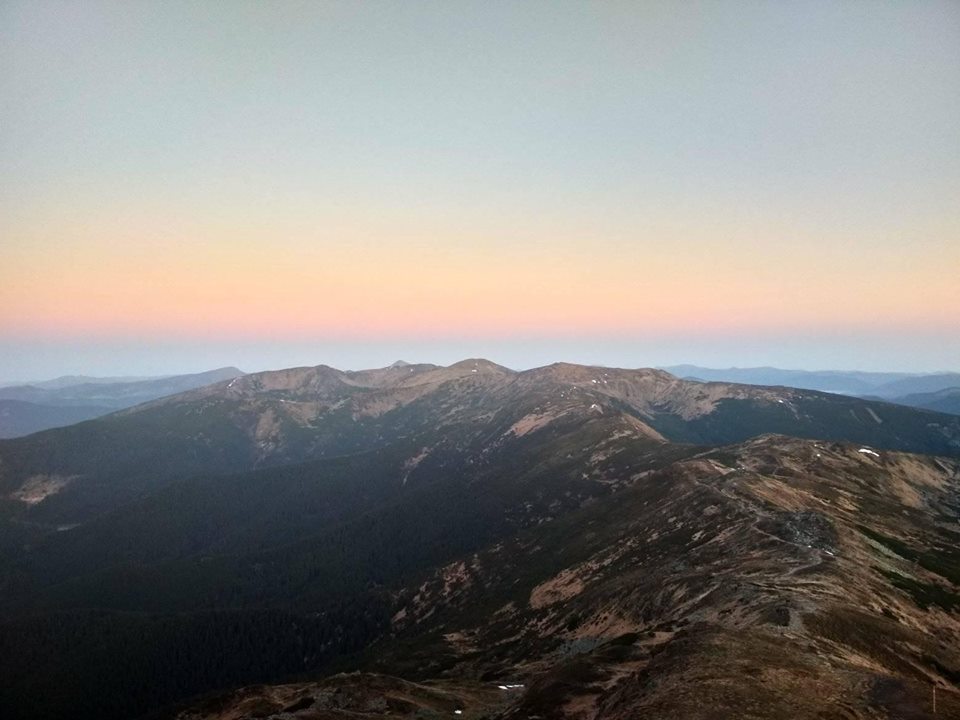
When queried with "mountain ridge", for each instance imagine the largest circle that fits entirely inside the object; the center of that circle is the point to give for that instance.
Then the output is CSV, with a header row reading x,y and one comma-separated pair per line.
x,y
55,403
698,567
603,543
284,416
882,385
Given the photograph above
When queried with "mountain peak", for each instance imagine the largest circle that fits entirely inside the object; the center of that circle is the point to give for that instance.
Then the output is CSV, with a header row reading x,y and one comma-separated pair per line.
x,y
480,365
572,372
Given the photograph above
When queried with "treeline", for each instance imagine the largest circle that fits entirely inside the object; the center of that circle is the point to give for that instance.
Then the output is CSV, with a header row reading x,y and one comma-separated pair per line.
x,y
155,645
116,666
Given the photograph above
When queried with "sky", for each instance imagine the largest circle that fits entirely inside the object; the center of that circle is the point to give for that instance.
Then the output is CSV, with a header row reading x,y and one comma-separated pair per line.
x,y
186,185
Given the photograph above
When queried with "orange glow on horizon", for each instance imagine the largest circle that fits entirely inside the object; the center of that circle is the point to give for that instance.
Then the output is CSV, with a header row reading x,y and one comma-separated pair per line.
x,y
436,289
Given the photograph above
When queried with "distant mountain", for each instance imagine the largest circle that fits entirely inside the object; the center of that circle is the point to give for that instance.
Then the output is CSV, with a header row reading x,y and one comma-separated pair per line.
x,y
563,542
945,401
26,409
18,417
919,384
70,380
861,384
115,394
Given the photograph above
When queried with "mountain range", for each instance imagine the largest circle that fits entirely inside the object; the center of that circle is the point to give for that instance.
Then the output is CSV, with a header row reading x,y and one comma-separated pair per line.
x,y
932,391
562,542
946,400
29,408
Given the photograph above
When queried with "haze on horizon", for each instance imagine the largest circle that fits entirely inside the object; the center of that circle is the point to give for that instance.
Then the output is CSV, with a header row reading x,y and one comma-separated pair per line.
x,y
186,185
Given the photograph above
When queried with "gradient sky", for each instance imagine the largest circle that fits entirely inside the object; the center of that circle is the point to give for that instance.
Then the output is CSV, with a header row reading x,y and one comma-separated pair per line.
x,y
188,184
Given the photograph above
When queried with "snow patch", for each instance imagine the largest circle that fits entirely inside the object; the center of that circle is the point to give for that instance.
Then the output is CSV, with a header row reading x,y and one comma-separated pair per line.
x,y
868,451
